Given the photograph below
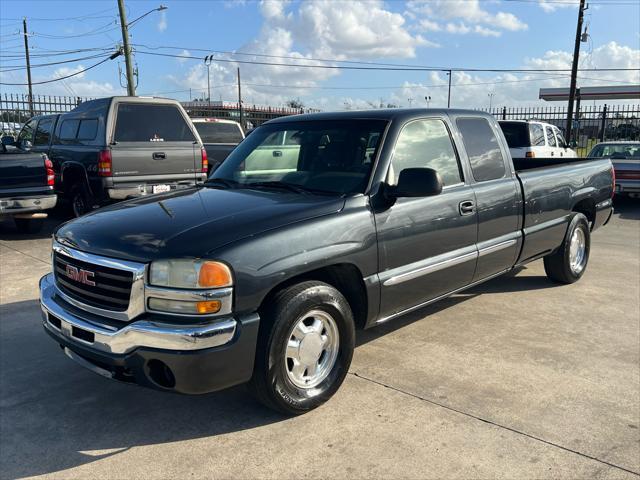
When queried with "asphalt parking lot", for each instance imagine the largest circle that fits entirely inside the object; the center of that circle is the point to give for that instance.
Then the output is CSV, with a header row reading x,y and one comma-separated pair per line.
x,y
517,378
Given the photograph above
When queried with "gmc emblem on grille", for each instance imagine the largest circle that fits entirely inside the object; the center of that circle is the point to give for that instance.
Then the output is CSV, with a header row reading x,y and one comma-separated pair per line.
x,y
79,275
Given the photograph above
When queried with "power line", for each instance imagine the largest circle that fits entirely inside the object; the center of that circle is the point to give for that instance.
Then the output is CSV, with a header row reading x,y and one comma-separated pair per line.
x,y
116,54
11,68
80,17
397,68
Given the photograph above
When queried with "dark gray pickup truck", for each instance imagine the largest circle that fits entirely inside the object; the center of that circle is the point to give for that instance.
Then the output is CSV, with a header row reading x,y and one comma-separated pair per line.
x,y
26,187
263,274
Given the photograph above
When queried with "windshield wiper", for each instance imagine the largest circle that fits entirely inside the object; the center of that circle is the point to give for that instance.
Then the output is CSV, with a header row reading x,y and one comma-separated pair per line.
x,y
221,182
285,186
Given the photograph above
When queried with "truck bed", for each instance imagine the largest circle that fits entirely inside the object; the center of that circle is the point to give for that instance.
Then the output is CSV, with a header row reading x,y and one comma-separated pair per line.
x,y
552,190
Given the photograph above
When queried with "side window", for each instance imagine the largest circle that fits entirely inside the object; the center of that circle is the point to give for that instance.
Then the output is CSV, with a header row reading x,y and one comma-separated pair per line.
x,y
26,134
551,139
68,130
88,129
426,144
43,132
559,138
536,133
482,148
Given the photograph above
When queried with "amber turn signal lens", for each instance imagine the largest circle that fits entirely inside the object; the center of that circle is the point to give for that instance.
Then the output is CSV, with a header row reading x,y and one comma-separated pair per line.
x,y
212,306
214,274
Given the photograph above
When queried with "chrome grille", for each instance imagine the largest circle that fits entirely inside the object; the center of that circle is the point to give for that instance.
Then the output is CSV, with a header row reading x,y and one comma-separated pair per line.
x,y
112,289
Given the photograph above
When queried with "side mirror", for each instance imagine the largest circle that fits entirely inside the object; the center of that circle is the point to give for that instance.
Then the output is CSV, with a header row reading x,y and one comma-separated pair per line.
x,y
573,144
417,182
8,140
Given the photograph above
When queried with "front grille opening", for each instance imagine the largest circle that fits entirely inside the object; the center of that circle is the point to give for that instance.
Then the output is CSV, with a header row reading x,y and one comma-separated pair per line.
x,y
55,321
83,334
104,287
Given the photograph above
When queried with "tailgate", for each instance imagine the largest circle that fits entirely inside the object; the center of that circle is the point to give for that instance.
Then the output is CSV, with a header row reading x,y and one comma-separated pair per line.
x,y
154,158
22,171
153,139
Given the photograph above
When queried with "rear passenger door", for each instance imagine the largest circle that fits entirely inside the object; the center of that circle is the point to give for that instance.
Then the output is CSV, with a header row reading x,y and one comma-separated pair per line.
x,y
427,246
498,195
153,139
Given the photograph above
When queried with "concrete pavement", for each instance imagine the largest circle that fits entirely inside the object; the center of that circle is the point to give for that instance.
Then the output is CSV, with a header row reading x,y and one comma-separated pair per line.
x,y
517,378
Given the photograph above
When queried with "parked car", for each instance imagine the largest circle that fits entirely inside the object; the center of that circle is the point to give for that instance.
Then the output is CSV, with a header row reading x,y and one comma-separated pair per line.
x,y
263,274
625,157
219,137
532,139
26,186
116,148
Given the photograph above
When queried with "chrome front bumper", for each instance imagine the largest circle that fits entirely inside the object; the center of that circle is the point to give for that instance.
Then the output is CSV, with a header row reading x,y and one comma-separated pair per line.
x,y
20,205
138,334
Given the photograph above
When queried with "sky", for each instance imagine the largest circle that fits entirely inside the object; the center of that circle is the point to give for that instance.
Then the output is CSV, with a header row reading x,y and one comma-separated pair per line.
x,y
170,46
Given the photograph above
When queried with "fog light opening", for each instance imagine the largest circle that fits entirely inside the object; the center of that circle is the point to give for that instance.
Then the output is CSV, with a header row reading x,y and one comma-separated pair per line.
x,y
161,374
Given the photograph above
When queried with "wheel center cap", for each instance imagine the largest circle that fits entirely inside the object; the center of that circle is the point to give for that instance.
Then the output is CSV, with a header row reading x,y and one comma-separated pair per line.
x,y
310,348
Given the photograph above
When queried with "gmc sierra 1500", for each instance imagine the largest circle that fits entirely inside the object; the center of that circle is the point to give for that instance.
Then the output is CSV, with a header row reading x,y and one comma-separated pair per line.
x,y
263,274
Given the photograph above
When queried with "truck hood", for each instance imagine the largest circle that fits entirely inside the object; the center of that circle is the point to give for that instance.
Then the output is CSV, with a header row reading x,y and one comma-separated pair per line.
x,y
189,223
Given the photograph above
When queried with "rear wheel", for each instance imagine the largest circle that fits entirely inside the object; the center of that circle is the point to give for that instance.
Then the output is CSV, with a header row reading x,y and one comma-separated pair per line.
x,y
305,348
29,225
569,262
80,200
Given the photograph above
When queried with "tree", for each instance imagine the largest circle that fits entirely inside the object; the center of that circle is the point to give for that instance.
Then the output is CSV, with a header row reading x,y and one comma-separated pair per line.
x,y
294,103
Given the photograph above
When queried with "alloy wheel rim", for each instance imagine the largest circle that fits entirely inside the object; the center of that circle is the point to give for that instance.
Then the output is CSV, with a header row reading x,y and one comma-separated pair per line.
x,y
577,251
311,349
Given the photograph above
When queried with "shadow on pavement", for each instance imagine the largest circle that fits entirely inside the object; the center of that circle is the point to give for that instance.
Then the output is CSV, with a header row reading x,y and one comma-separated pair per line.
x,y
627,208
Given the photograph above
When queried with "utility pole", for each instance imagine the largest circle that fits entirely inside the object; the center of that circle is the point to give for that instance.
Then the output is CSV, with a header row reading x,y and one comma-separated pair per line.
x,y
207,62
26,53
449,95
490,95
574,71
131,86
240,101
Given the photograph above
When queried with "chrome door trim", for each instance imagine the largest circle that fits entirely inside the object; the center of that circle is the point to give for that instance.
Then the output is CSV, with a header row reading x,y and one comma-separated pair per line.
x,y
420,268
433,300
497,247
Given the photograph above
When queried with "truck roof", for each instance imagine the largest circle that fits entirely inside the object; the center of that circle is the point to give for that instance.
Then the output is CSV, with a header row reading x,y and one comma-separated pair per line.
x,y
388,114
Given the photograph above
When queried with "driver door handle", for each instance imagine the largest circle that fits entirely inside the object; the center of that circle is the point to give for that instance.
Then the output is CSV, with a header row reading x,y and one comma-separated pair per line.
x,y
466,208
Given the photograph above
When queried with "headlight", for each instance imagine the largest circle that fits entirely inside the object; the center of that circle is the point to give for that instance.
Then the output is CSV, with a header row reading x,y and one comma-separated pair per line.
x,y
190,274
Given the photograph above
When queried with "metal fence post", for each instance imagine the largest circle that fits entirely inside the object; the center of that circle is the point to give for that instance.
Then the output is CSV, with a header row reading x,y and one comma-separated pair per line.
x,y
603,126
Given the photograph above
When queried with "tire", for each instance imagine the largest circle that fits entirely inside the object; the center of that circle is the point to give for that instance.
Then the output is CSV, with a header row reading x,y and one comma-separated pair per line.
x,y
80,200
285,378
29,225
569,262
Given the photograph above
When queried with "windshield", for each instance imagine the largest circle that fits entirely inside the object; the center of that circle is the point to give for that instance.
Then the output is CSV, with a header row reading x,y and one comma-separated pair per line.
x,y
516,133
218,132
324,156
629,150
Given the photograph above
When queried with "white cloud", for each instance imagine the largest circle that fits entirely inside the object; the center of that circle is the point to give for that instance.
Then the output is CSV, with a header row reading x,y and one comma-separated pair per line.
x,y
65,71
471,17
553,6
183,53
427,25
162,22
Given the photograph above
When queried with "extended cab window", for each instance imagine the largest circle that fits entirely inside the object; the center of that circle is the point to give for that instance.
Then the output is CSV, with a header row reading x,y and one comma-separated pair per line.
x,y
68,130
139,122
43,132
482,148
562,143
426,144
324,156
88,129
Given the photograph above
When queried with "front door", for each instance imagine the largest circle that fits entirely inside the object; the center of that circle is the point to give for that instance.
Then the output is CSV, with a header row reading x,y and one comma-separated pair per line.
x,y
427,246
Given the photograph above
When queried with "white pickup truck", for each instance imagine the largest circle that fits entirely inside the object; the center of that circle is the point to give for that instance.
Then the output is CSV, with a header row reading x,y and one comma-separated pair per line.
x,y
533,139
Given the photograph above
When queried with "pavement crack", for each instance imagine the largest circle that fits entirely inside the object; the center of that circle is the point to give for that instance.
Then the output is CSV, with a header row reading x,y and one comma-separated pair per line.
x,y
495,424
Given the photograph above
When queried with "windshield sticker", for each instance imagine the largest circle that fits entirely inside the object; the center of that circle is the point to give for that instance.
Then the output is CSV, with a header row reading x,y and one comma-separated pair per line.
x,y
156,138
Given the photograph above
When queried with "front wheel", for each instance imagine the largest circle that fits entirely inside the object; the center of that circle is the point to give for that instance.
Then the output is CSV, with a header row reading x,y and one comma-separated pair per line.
x,y
569,262
305,348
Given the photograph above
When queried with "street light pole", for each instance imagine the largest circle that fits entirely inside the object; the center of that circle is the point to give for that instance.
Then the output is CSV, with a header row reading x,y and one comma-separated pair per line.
x,y
207,62
449,95
490,95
